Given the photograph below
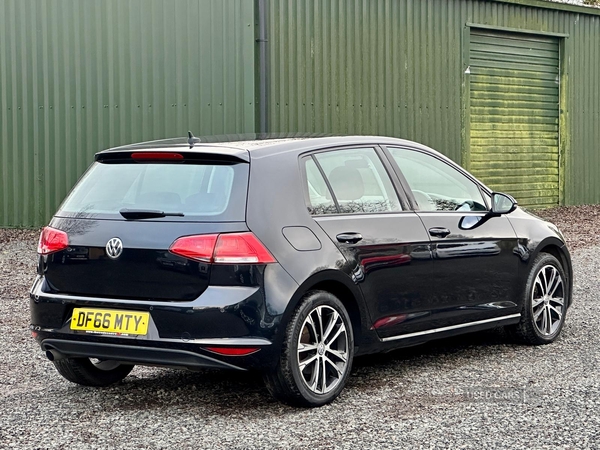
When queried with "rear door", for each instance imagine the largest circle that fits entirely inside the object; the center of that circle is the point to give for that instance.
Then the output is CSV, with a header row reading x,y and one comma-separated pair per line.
x,y
475,265
353,198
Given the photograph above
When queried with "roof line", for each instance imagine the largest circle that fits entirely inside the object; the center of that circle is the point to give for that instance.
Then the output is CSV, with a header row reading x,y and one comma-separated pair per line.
x,y
554,5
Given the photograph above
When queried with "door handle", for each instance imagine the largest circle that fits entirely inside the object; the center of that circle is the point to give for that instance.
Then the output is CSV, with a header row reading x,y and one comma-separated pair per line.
x,y
439,232
349,238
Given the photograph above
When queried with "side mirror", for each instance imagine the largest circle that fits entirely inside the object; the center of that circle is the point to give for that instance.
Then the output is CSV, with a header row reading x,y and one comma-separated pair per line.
x,y
503,203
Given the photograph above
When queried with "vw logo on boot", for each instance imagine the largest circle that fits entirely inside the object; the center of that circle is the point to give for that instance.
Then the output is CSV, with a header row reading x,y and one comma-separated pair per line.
x,y
114,248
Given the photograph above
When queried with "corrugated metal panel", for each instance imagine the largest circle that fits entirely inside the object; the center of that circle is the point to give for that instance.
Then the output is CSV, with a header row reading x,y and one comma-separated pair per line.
x,y
514,109
367,67
78,76
583,46
396,67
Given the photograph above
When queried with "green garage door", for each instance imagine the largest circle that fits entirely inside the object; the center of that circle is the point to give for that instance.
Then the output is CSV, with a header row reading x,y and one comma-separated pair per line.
x,y
514,115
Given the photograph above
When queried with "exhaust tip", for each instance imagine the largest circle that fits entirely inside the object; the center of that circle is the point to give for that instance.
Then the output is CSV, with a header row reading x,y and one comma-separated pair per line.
x,y
53,355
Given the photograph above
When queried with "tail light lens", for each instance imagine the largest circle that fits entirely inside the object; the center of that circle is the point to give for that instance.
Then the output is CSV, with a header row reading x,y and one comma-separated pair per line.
x,y
156,156
228,248
52,240
241,248
200,248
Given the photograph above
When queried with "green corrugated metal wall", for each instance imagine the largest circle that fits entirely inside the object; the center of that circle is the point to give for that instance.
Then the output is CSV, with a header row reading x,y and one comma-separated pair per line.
x,y
514,109
78,76
390,67
396,67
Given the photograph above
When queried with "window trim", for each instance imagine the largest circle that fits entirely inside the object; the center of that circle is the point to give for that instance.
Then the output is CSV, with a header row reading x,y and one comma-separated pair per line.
x,y
326,180
482,189
401,195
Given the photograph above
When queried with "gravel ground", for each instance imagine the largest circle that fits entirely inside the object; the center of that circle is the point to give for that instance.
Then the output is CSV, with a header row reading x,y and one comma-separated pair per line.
x,y
474,391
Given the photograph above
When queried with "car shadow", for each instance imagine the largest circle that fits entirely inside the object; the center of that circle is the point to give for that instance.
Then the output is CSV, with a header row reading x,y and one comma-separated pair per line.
x,y
231,392
405,363
451,345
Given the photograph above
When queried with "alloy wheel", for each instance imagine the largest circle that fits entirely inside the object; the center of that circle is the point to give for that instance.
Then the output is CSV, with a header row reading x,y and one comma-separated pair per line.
x,y
547,300
323,349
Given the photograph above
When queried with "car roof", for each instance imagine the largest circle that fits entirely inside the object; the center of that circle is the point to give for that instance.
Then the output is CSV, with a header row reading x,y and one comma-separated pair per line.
x,y
254,146
260,145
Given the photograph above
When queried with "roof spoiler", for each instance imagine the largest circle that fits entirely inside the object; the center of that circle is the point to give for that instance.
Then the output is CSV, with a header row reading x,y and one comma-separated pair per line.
x,y
197,153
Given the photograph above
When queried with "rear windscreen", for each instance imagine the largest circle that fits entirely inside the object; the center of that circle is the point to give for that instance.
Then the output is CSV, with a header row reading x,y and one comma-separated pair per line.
x,y
201,192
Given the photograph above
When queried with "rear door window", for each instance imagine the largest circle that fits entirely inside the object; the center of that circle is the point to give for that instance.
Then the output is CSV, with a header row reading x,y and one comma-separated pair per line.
x,y
204,192
355,182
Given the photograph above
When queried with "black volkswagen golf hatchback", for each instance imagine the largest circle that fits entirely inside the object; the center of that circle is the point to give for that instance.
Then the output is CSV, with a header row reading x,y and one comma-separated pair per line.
x,y
287,256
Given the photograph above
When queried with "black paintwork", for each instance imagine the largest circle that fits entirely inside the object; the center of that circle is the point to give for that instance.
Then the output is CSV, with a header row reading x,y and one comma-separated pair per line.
x,y
397,277
145,270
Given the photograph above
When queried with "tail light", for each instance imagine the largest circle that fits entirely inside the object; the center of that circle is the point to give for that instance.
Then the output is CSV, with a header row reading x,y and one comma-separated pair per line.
x,y
228,248
52,240
200,248
241,248
156,156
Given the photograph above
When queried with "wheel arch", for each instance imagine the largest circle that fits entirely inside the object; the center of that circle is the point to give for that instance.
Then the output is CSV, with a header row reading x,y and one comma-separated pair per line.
x,y
344,289
558,249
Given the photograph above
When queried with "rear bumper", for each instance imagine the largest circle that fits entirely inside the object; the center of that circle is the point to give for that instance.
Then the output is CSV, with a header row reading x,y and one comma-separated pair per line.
x,y
192,355
180,334
220,312
133,354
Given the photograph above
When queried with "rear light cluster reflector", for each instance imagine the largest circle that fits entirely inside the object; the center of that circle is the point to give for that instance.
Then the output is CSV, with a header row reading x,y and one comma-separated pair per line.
x,y
52,240
227,248
233,351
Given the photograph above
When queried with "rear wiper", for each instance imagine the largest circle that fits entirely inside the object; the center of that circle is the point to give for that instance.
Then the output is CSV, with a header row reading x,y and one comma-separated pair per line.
x,y
146,213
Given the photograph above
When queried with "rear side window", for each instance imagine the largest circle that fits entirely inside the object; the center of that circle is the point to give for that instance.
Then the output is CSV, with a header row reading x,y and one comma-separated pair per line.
x,y
355,182
320,200
201,192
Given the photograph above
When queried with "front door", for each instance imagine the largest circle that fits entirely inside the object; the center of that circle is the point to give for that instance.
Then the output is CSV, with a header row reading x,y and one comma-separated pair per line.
x,y
475,265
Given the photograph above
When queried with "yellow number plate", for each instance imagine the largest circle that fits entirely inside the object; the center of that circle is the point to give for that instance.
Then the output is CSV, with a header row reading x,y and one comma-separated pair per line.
x,y
110,321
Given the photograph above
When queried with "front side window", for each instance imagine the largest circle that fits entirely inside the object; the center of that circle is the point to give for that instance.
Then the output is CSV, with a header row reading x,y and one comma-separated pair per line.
x,y
357,182
437,186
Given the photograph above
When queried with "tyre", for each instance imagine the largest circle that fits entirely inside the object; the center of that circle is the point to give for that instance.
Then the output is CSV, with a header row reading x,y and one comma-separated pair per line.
x,y
92,372
317,352
545,302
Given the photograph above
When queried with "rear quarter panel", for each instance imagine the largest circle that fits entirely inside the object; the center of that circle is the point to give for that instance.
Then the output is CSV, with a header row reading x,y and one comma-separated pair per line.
x,y
276,201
